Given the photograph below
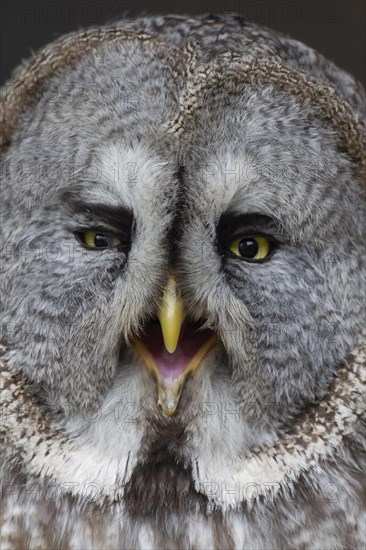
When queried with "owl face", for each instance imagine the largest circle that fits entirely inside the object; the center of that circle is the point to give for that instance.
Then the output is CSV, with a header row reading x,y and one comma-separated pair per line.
x,y
192,289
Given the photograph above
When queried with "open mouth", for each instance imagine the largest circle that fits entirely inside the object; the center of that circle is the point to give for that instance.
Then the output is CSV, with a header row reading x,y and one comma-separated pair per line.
x,y
172,347
172,369
192,346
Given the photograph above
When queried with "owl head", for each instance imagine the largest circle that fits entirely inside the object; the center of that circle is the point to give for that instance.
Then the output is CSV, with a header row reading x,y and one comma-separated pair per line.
x,y
183,239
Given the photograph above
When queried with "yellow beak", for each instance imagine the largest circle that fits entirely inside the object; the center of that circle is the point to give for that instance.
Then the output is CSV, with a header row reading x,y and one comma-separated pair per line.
x,y
171,315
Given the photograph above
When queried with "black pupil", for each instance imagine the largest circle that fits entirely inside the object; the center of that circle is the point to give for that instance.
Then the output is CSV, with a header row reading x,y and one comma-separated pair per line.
x,y
101,241
248,248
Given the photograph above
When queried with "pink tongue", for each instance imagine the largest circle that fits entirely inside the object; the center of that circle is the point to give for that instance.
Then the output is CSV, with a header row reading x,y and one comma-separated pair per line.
x,y
172,365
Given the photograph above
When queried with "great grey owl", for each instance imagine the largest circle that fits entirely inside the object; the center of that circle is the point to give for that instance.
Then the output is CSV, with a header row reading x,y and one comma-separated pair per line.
x,y
183,284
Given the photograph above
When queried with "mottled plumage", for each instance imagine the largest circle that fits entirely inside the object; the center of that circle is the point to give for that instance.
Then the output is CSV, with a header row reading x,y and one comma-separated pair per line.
x,y
177,138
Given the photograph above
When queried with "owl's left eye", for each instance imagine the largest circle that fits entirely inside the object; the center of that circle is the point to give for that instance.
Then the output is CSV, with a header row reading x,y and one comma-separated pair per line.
x,y
252,248
99,240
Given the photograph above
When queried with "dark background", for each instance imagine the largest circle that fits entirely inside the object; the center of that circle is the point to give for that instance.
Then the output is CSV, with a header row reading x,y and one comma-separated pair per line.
x,y
335,27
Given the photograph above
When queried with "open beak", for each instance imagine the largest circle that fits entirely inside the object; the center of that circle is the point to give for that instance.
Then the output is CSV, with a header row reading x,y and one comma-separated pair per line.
x,y
172,347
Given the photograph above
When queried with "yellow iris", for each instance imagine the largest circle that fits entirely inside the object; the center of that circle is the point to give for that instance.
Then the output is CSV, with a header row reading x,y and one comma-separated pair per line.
x,y
251,248
95,239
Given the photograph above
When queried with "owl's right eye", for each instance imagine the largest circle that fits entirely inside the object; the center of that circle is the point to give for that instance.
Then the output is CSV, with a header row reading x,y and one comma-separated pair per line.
x,y
99,240
252,248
